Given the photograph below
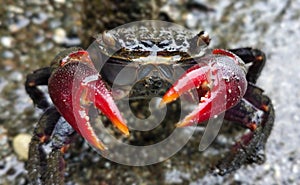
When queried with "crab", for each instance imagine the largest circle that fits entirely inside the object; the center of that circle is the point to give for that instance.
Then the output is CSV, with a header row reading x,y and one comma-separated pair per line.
x,y
221,81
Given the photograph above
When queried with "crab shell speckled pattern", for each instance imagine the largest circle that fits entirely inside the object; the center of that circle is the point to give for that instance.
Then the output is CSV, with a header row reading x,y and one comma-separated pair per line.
x,y
135,43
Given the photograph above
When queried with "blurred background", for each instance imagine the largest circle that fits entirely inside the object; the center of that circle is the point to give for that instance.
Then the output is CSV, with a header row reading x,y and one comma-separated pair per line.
x,y
32,32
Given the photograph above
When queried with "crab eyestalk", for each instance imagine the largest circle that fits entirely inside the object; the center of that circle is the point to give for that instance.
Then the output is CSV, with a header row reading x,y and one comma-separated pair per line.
x,y
221,77
73,87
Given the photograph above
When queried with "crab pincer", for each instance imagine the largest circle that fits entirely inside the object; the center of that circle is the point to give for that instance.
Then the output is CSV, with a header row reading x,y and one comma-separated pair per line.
x,y
74,86
221,79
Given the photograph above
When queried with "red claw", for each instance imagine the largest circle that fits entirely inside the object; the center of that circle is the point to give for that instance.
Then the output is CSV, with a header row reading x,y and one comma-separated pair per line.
x,y
220,76
73,87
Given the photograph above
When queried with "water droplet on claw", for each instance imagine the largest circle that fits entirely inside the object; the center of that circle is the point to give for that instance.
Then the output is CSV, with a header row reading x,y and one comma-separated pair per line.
x,y
226,78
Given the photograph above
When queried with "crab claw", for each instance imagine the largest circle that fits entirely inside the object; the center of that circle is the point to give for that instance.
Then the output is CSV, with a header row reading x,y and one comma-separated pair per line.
x,y
73,87
220,79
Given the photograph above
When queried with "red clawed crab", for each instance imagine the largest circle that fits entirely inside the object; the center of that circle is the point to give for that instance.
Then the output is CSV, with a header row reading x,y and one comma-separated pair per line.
x,y
220,77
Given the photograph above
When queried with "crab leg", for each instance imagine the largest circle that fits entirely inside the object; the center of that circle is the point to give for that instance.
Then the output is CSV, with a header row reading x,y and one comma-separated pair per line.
x,y
73,87
221,79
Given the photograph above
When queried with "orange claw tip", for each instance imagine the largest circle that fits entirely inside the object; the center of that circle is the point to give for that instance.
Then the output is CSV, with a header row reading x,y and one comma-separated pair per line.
x,y
183,124
91,137
187,121
170,96
98,144
121,126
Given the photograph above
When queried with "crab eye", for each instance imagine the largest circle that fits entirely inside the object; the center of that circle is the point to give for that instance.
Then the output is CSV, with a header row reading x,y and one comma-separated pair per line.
x,y
119,74
166,70
199,42
203,37
145,70
147,43
108,39
164,43
162,71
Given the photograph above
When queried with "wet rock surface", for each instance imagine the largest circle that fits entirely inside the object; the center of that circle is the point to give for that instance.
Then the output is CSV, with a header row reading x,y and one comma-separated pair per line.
x,y
31,33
